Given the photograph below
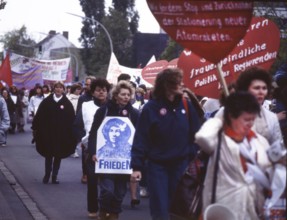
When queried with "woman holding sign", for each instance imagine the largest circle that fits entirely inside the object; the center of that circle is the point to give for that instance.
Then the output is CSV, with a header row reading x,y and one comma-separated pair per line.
x,y
107,127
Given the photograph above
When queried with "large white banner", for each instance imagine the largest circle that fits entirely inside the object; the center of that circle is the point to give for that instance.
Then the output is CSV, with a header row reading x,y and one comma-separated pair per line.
x,y
114,141
54,70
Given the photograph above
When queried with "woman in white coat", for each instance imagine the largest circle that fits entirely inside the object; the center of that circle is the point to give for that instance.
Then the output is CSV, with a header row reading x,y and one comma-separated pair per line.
x,y
243,158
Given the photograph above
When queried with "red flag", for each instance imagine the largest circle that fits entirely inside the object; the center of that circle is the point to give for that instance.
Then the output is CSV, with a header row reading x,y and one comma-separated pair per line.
x,y
5,71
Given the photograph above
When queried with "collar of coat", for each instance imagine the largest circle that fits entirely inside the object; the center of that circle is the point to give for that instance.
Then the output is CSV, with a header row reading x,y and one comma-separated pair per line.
x,y
236,137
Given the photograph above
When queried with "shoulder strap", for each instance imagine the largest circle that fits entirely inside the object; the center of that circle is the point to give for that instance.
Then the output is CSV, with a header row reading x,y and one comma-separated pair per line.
x,y
185,105
213,195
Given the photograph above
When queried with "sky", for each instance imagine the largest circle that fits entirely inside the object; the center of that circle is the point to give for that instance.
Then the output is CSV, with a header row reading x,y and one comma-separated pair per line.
x,y
41,16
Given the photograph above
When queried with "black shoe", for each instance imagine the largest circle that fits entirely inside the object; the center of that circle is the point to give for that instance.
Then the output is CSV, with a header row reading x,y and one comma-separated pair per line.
x,y
135,202
11,131
55,180
46,179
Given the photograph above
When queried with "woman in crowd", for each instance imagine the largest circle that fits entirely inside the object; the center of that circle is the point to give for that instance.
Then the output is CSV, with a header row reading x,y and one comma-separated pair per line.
x,y
4,121
24,100
165,138
16,116
10,104
73,96
243,158
82,125
46,90
35,101
52,131
257,82
113,187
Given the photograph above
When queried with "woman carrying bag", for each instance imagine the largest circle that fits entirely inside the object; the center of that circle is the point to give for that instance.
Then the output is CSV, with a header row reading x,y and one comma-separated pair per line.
x,y
243,160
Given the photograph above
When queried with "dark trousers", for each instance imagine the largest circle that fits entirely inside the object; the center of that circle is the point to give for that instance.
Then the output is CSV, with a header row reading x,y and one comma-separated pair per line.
x,y
84,160
52,164
92,192
162,182
143,181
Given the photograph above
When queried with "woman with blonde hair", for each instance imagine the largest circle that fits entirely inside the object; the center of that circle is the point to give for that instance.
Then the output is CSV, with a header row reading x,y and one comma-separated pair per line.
x,y
113,187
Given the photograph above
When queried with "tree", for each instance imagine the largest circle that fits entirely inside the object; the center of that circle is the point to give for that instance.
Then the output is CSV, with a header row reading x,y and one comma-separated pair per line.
x,y
172,51
127,8
19,42
100,54
121,22
93,10
275,11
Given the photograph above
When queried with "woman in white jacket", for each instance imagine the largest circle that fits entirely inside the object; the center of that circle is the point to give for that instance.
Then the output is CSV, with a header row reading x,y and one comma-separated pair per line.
x,y
258,81
243,158
35,101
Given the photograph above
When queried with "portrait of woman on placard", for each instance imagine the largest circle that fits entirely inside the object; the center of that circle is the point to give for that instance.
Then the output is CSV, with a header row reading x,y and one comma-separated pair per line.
x,y
116,134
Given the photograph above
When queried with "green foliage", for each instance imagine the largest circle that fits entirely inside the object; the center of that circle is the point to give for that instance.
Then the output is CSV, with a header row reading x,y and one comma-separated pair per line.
x,y
172,51
127,8
121,22
274,11
19,42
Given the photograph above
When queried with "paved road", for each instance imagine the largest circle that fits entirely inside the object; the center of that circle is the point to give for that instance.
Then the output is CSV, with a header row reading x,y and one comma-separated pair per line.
x,y
48,201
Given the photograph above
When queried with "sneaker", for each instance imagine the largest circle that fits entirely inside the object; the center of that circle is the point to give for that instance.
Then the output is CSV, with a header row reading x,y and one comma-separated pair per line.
x,y
143,192
3,145
75,155
93,215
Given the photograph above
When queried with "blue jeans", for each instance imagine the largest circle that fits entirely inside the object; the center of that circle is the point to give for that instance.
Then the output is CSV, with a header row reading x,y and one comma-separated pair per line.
x,y
113,188
162,182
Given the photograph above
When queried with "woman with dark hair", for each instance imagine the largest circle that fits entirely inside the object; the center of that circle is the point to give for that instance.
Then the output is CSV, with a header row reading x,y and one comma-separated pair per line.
x,y
113,187
243,159
35,101
10,106
164,139
46,90
257,82
99,89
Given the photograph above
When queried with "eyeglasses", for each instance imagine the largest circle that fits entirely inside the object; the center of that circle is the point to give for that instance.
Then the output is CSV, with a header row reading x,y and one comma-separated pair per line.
x,y
101,90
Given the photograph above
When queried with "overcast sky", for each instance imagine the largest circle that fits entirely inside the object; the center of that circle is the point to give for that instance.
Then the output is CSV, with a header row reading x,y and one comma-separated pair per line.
x,y
45,15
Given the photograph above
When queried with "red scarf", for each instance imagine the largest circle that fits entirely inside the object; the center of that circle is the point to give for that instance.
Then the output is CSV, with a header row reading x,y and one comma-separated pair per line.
x,y
239,138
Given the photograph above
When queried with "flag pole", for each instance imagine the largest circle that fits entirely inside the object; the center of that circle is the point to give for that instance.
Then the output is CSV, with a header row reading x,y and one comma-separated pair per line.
x,y
222,80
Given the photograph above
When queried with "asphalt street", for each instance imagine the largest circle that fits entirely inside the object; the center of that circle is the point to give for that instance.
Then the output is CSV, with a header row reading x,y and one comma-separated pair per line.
x,y
24,196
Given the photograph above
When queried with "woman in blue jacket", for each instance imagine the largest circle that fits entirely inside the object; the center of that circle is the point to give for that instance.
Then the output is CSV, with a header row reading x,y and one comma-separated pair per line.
x,y
165,137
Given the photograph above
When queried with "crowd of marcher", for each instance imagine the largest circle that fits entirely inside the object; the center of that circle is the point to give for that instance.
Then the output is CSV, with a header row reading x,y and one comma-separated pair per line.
x,y
171,126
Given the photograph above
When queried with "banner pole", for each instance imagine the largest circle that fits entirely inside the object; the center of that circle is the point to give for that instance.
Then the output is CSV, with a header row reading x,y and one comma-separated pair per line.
x,y
222,80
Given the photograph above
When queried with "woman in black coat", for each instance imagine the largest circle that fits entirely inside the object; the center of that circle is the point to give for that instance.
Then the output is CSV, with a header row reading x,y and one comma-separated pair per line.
x,y
52,130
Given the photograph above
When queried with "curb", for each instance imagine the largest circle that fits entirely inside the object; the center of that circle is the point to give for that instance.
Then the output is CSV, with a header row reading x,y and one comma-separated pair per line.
x,y
22,194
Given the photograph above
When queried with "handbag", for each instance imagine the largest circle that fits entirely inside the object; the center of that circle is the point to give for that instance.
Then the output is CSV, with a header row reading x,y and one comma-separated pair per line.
x,y
186,203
